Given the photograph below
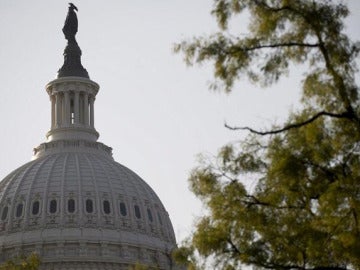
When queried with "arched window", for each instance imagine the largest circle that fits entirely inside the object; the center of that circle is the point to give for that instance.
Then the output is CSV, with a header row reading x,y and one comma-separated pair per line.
x,y
123,211
19,210
35,208
150,215
71,206
137,211
53,207
4,213
89,206
106,207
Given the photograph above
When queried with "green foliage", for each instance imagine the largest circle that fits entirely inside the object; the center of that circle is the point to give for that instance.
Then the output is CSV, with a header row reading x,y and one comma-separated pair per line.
x,y
185,256
281,32
31,262
303,211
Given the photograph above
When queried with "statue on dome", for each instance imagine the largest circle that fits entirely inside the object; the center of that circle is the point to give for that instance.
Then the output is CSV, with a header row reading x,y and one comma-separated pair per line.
x,y
71,24
72,54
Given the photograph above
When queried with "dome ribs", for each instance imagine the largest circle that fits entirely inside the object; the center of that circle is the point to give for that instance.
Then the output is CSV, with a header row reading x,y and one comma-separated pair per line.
x,y
6,184
53,159
62,190
31,194
79,182
15,199
109,188
96,189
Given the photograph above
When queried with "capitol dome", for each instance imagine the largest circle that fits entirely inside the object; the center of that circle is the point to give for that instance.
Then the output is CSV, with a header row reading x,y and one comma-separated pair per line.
x,y
73,204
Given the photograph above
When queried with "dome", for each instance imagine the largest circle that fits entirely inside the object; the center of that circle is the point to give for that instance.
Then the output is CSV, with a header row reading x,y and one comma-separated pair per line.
x,y
75,204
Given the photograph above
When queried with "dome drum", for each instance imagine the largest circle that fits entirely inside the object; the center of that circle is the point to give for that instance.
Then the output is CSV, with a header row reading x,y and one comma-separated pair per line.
x,y
81,255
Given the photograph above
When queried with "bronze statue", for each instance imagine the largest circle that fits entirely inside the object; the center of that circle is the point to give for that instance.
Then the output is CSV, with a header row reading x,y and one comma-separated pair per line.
x,y
71,24
72,54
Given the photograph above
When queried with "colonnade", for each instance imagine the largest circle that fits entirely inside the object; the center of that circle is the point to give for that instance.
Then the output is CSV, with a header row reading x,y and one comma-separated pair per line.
x,y
72,108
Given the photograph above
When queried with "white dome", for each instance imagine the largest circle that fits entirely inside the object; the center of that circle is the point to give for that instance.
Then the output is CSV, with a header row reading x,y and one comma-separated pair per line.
x,y
74,203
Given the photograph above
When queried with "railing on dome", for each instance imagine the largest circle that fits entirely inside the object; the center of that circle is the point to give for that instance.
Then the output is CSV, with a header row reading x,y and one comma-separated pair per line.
x,y
71,145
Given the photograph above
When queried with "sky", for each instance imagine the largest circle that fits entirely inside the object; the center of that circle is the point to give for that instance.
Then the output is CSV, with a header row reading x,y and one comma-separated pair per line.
x,y
156,113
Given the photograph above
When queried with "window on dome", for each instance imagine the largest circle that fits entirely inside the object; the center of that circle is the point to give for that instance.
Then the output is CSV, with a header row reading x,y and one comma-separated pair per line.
x,y
150,215
71,205
19,210
53,207
89,206
137,211
72,116
106,207
123,211
4,213
159,217
35,208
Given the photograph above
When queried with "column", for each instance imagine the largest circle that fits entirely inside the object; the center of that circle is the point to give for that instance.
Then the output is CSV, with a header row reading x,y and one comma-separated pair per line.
x,y
67,108
58,110
81,108
76,108
52,98
86,109
92,99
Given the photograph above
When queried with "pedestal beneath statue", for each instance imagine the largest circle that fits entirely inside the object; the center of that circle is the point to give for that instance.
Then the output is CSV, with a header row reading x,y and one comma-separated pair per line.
x,y
72,62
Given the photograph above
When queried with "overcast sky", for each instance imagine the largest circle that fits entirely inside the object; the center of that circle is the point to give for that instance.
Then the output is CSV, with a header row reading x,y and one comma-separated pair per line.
x,y
156,113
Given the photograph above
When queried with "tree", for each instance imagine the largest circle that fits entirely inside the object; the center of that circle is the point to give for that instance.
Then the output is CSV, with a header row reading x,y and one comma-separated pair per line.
x,y
31,262
304,212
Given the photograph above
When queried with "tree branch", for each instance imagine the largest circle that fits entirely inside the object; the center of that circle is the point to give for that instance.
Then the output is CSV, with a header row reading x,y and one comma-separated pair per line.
x,y
339,82
277,45
256,201
234,249
294,125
